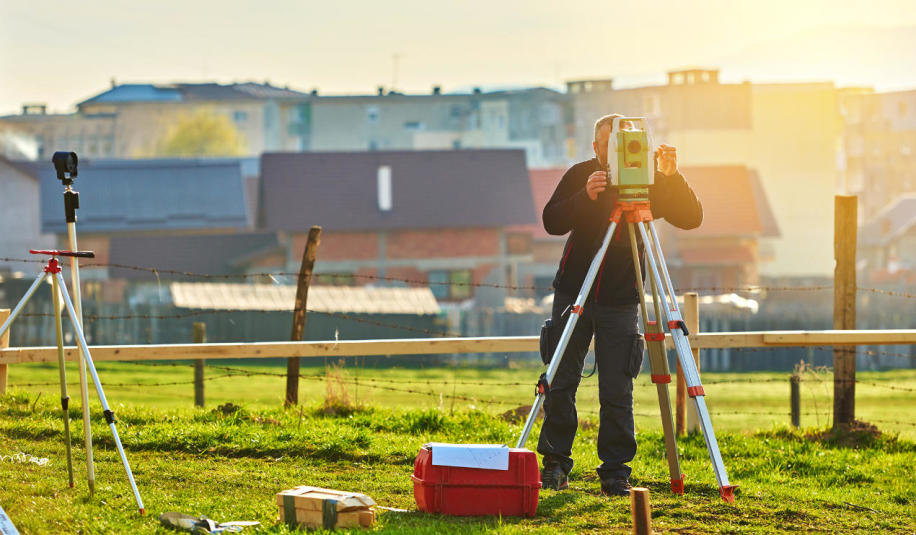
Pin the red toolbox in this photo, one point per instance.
(452, 490)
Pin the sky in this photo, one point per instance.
(60, 53)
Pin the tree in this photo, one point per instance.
(203, 133)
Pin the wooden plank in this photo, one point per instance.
(435, 346)
(299, 310)
(844, 306)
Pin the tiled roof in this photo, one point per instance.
(716, 256)
(340, 299)
(142, 195)
(183, 92)
(429, 189)
(730, 207)
(893, 220)
(543, 183)
(211, 254)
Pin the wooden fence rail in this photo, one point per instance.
(438, 346)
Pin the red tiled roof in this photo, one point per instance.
(543, 182)
(716, 256)
(730, 207)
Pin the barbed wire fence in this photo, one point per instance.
(440, 389)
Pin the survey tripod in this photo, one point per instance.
(52, 271)
(633, 208)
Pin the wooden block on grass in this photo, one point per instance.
(316, 507)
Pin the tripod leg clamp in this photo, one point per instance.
(679, 324)
(543, 387)
(65, 403)
(109, 417)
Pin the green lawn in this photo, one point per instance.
(739, 402)
(229, 467)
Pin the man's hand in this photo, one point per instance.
(597, 182)
(666, 159)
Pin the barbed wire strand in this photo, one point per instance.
(421, 282)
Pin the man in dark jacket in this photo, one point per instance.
(581, 206)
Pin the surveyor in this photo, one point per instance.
(581, 205)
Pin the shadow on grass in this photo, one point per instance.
(859, 435)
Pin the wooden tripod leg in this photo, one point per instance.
(658, 364)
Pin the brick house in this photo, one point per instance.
(442, 218)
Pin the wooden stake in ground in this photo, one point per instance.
(302, 293)
(199, 335)
(686, 419)
(641, 511)
(844, 307)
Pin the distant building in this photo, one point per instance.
(887, 243)
(140, 198)
(19, 216)
(441, 218)
(533, 119)
(880, 147)
(128, 120)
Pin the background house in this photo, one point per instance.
(19, 215)
(887, 243)
(441, 218)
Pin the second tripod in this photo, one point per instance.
(52, 271)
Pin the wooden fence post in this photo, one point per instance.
(199, 334)
(692, 319)
(4, 342)
(302, 293)
(640, 511)
(795, 399)
(844, 307)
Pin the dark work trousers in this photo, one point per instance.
(618, 353)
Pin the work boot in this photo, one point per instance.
(617, 486)
(553, 476)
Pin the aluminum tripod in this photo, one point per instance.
(52, 271)
(638, 214)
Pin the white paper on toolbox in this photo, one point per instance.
(487, 456)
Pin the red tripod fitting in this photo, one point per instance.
(636, 211)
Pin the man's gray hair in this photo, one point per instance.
(606, 120)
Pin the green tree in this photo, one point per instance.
(203, 133)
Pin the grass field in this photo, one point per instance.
(230, 465)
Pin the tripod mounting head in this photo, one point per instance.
(66, 165)
(77, 254)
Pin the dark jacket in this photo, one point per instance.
(570, 210)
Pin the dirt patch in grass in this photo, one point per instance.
(856, 435)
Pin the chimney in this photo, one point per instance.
(381, 90)
(314, 92)
(114, 83)
(34, 109)
(437, 90)
(383, 176)
(476, 90)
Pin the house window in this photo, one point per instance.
(372, 114)
(450, 285)
(240, 116)
(413, 126)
